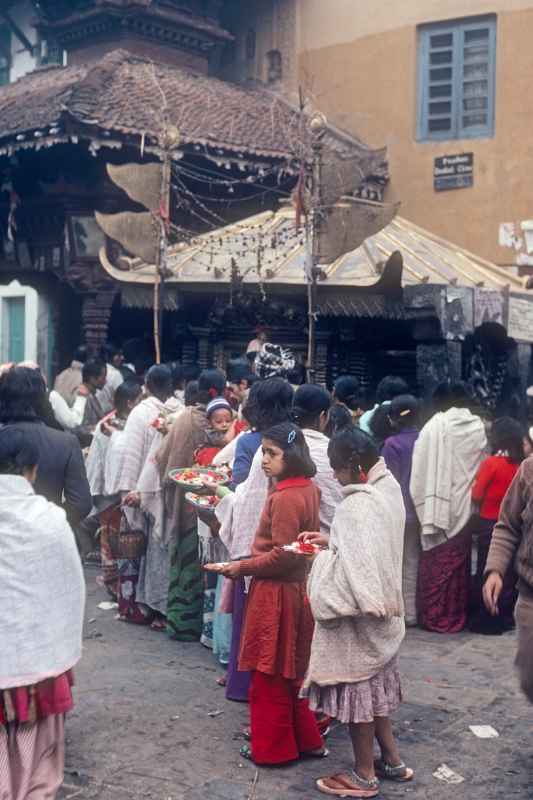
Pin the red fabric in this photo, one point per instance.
(204, 456)
(494, 477)
(277, 630)
(53, 696)
(240, 426)
(109, 522)
(292, 483)
(443, 585)
(282, 725)
(278, 624)
(287, 512)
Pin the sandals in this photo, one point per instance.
(246, 751)
(399, 773)
(323, 752)
(348, 785)
(159, 625)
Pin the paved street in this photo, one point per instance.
(142, 726)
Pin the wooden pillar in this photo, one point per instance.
(96, 313)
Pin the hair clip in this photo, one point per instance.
(405, 412)
(291, 437)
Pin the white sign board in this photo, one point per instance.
(520, 324)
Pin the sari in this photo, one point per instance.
(185, 589)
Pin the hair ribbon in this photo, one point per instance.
(291, 437)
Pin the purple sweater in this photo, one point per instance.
(398, 454)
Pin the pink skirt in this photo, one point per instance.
(380, 696)
(32, 758)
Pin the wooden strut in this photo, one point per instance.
(164, 213)
(316, 223)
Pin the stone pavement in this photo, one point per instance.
(147, 722)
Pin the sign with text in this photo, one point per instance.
(520, 324)
(453, 172)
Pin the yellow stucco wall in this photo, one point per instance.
(364, 76)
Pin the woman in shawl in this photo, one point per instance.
(187, 434)
(139, 434)
(446, 459)
(269, 404)
(41, 577)
(355, 592)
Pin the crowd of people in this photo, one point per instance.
(407, 513)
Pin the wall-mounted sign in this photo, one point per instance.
(520, 324)
(453, 172)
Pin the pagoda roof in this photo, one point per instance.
(123, 98)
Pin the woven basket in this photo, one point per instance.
(127, 543)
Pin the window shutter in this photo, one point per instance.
(476, 116)
(457, 79)
(441, 72)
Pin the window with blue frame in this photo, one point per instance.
(456, 79)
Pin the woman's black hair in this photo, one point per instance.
(352, 448)
(177, 374)
(190, 397)
(127, 392)
(269, 403)
(211, 384)
(310, 401)
(347, 390)
(296, 455)
(452, 394)
(22, 395)
(389, 387)
(158, 381)
(108, 352)
(506, 435)
(339, 419)
(18, 452)
(404, 411)
(92, 368)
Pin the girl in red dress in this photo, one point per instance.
(278, 625)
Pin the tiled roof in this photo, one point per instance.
(123, 95)
(428, 260)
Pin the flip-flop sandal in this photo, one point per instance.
(344, 785)
(322, 753)
(222, 681)
(400, 773)
(159, 626)
(247, 734)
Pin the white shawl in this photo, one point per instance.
(330, 489)
(42, 589)
(355, 587)
(361, 572)
(239, 512)
(446, 458)
(139, 435)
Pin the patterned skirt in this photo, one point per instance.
(380, 696)
(185, 594)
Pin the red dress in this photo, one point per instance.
(32, 703)
(278, 626)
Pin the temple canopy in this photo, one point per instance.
(267, 249)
